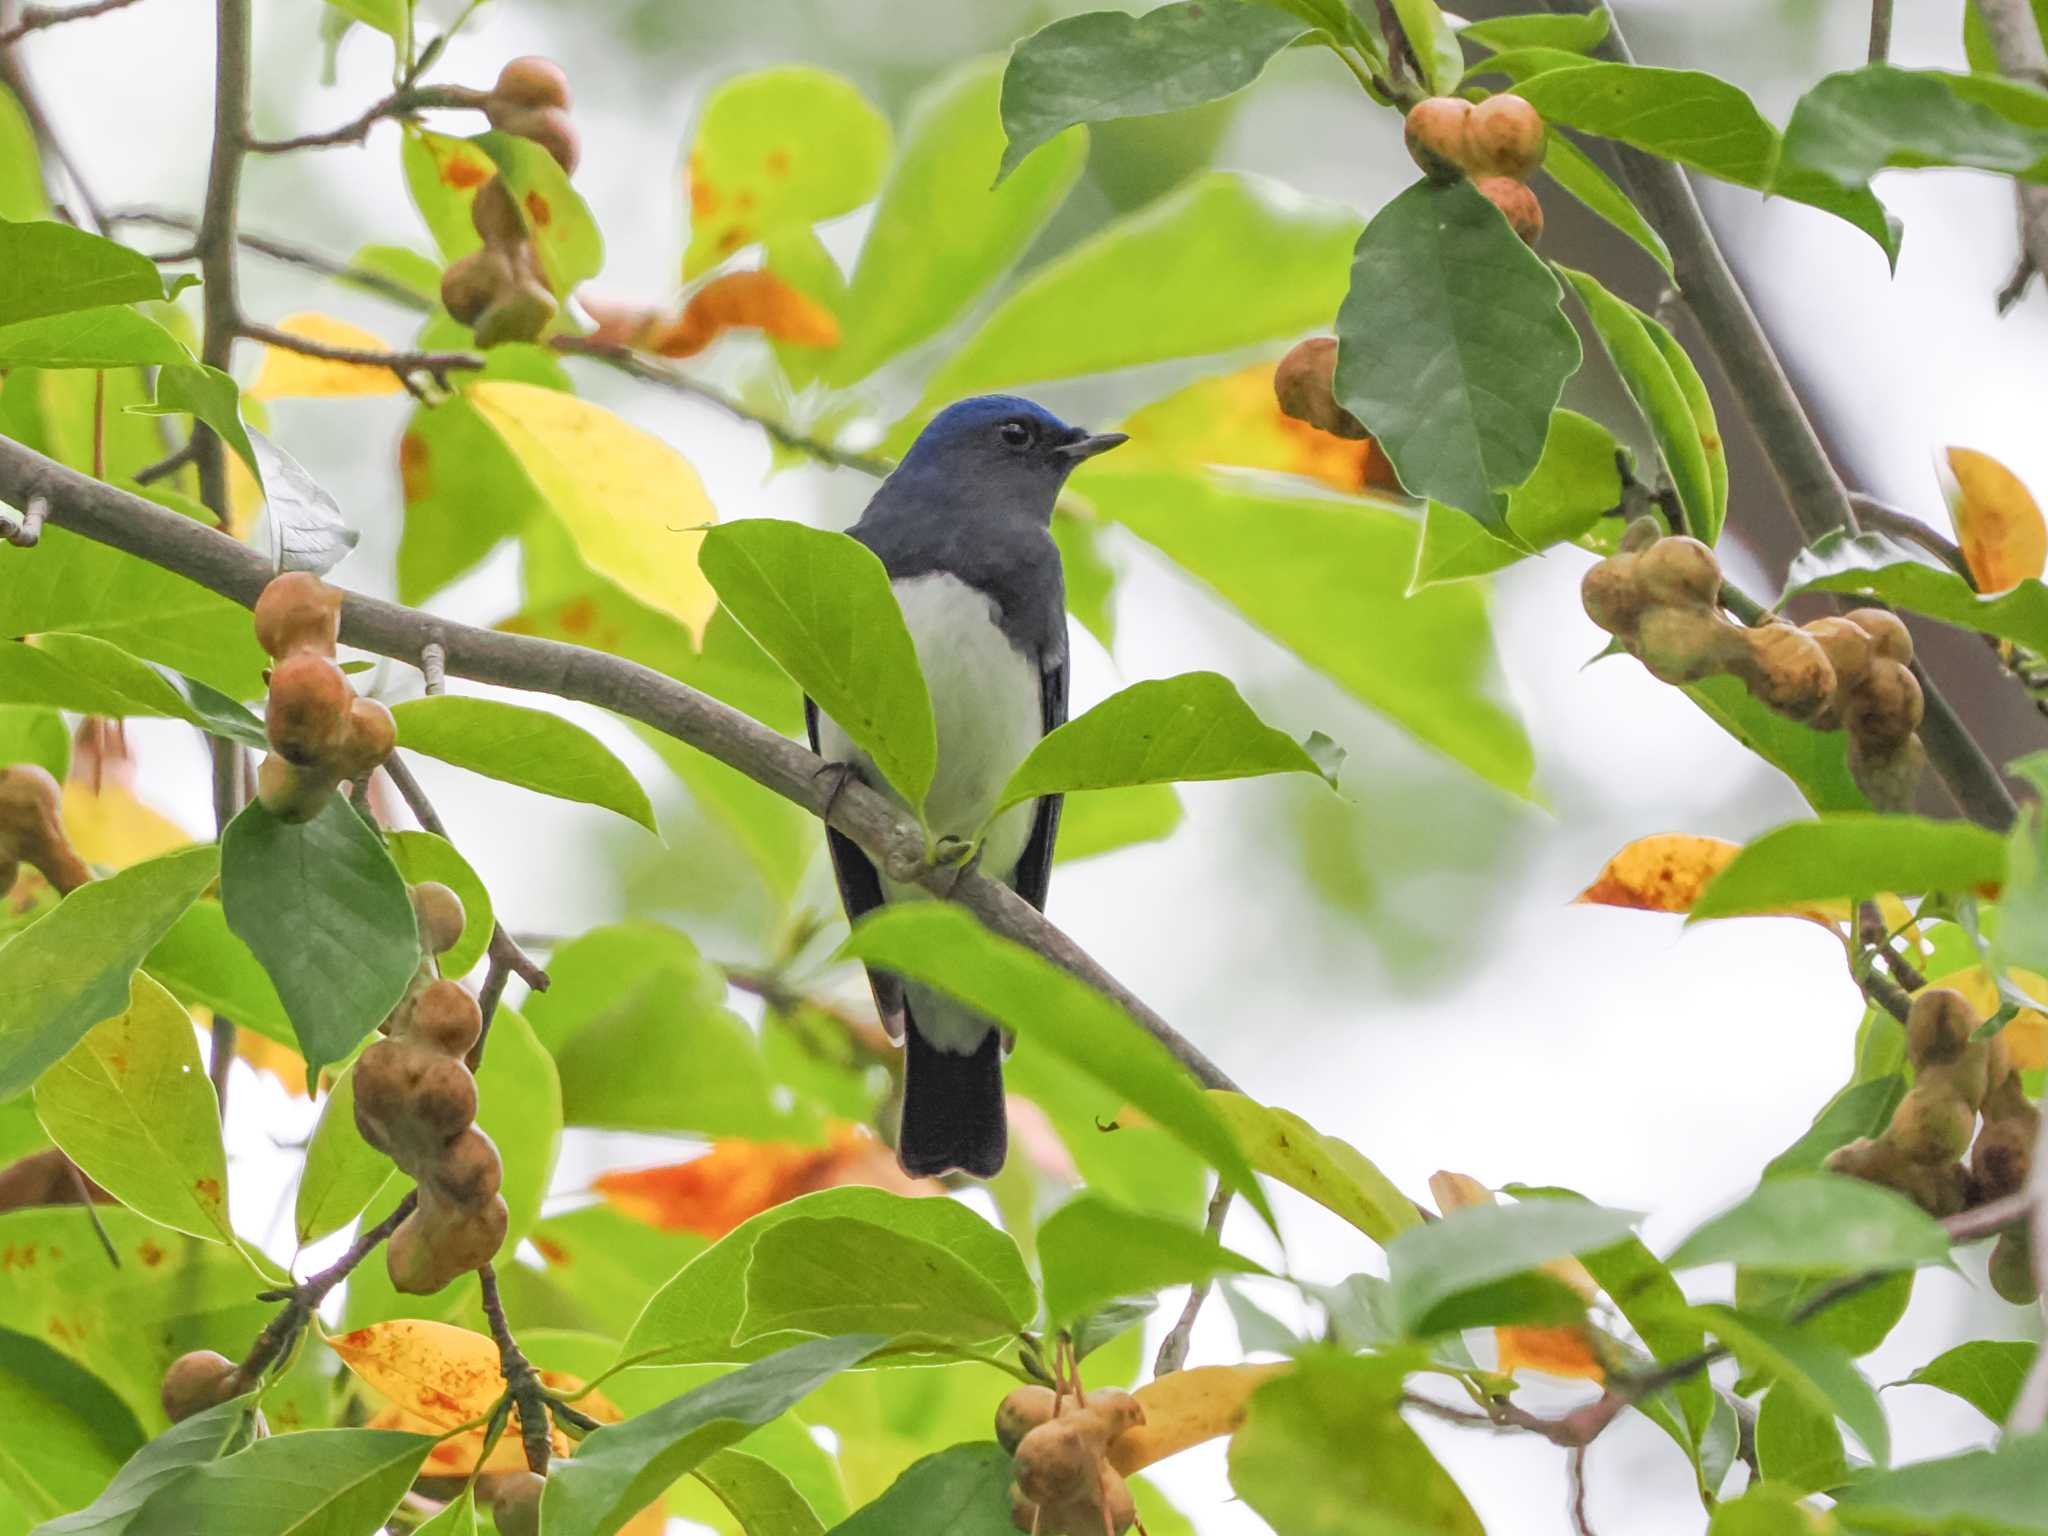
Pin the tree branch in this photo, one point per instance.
(111, 516)
(403, 102)
(405, 364)
(1173, 1349)
(523, 1385)
(303, 1300)
(1815, 492)
(215, 244)
(2022, 55)
(1880, 30)
(36, 17)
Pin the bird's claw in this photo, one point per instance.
(841, 775)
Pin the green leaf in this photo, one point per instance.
(1700, 121)
(1797, 1444)
(1985, 1373)
(619, 1469)
(1856, 1324)
(213, 397)
(35, 734)
(1861, 1109)
(1979, 1493)
(699, 1314)
(192, 1442)
(960, 1491)
(1872, 565)
(342, 1172)
(558, 222)
(519, 1098)
(1094, 1252)
(1574, 485)
(828, 1275)
(942, 235)
(1330, 1172)
(131, 1105)
(1170, 730)
(70, 969)
(1765, 1509)
(1815, 761)
(464, 494)
(758, 1495)
(1853, 855)
(457, 1518)
(637, 1024)
(609, 1264)
(320, 1482)
(1813, 1369)
(1649, 360)
(48, 268)
(1574, 33)
(69, 585)
(1104, 65)
(91, 676)
(1324, 1452)
(1575, 171)
(420, 857)
(1452, 349)
(1818, 1224)
(1858, 122)
(391, 17)
(1102, 821)
(205, 965)
(110, 336)
(442, 173)
(532, 748)
(323, 909)
(22, 195)
(821, 605)
(943, 947)
(1327, 579)
(67, 1432)
(1431, 1265)
(778, 149)
(1144, 290)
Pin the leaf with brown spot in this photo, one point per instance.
(1666, 872)
(1997, 521)
(758, 301)
(288, 373)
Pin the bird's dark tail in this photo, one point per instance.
(952, 1108)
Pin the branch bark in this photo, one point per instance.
(2022, 55)
(36, 17)
(221, 564)
(215, 246)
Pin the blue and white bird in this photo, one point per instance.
(964, 528)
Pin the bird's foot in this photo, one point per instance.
(840, 774)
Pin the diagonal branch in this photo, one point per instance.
(893, 840)
(400, 103)
(36, 17)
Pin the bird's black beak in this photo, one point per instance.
(1090, 444)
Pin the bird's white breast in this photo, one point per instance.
(986, 704)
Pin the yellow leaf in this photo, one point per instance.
(1998, 523)
(434, 1376)
(282, 1062)
(1187, 1408)
(634, 506)
(285, 372)
(1666, 872)
(114, 828)
(1233, 419)
(2026, 1032)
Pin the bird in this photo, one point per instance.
(963, 526)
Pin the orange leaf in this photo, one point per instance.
(1232, 419)
(280, 1061)
(1666, 872)
(1553, 1351)
(434, 1376)
(285, 372)
(758, 301)
(736, 1180)
(1998, 523)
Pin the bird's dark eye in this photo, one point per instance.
(1016, 433)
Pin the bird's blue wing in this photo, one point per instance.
(860, 892)
(1034, 867)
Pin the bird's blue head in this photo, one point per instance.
(1003, 449)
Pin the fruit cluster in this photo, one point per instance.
(1660, 597)
(321, 734)
(1304, 387)
(32, 830)
(501, 290)
(415, 1101)
(1065, 1485)
(1497, 142)
(1921, 1152)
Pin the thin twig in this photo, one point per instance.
(285, 251)
(1575, 1475)
(303, 1299)
(401, 103)
(168, 465)
(1890, 520)
(25, 531)
(522, 1382)
(436, 364)
(1173, 1349)
(83, 1191)
(1880, 30)
(36, 17)
(894, 841)
(2022, 55)
(215, 243)
(54, 154)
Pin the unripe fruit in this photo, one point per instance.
(293, 794)
(439, 1241)
(1939, 1189)
(198, 1381)
(2012, 1268)
(1683, 645)
(1115, 1410)
(469, 285)
(308, 713)
(1788, 671)
(371, 735)
(1894, 641)
(1304, 387)
(1504, 137)
(298, 612)
(32, 827)
(1680, 570)
(549, 127)
(1056, 1461)
(1523, 212)
(2000, 1160)
(1021, 1412)
(470, 1170)
(518, 313)
(1613, 595)
(1885, 708)
(445, 1017)
(495, 215)
(1939, 1026)
(441, 918)
(1932, 1124)
(532, 81)
(515, 1503)
(1435, 135)
(1848, 646)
